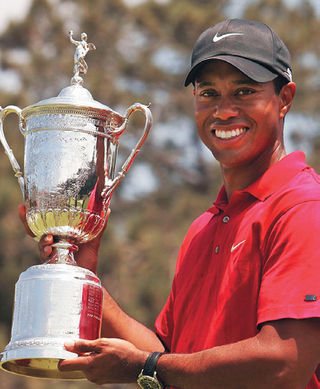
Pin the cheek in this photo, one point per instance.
(271, 110)
(266, 115)
(201, 115)
(202, 126)
(269, 126)
(273, 120)
(199, 119)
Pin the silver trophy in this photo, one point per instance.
(71, 144)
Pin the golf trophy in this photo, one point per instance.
(71, 144)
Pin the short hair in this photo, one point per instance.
(278, 83)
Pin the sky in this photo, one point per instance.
(19, 8)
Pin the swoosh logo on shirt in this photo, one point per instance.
(235, 246)
(218, 38)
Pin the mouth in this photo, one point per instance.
(230, 134)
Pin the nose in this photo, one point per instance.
(225, 109)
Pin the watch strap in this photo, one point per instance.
(151, 363)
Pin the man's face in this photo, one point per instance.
(238, 119)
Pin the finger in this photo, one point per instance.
(22, 216)
(46, 240)
(45, 247)
(79, 363)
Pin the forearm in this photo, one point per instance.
(117, 324)
(261, 362)
(283, 355)
(225, 367)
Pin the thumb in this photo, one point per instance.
(82, 346)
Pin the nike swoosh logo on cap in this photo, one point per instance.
(217, 38)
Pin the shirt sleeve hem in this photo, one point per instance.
(289, 312)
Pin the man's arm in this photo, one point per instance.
(117, 324)
(283, 355)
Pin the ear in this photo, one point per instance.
(286, 98)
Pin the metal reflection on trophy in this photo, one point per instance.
(71, 145)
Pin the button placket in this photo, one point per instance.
(225, 220)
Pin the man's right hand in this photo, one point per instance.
(87, 254)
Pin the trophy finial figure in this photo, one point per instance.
(80, 65)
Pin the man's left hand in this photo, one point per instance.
(105, 360)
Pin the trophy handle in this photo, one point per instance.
(15, 165)
(111, 185)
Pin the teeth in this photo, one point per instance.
(229, 134)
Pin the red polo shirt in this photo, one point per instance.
(247, 261)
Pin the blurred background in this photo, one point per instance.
(143, 53)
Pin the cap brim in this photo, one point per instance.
(251, 69)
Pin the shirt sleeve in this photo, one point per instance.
(290, 280)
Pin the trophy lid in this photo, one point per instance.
(74, 96)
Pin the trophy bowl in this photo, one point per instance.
(70, 155)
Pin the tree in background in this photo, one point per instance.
(142, 55)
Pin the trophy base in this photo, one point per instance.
(38, 363)
(54, 304)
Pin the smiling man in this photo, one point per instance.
(244, 307)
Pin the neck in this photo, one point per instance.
(239, 177)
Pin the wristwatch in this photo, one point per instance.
(148, 379)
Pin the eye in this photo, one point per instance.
(245, 91)
(208, 93)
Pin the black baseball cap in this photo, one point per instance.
(252, 47)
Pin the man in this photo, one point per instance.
(244, 307)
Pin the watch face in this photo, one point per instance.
(147, 382)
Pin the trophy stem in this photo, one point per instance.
(64, 253)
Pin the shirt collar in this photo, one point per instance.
(279, 173)
(220, 203)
